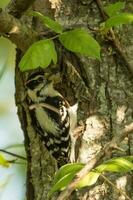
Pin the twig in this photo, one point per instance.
(112, 37)
(20, 34)
(100, 7)
(13, 154)
(114, 186)
(91, 164)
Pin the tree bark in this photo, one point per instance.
(103, 90)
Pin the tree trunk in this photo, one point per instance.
(103, 91)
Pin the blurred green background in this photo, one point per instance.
(12, 178)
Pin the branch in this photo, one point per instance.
(20, 34)
(17, 7)
(120, 191)
(13, 154)
(91, 164)
(112, 37)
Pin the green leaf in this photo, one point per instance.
(4, 3)
(40, 54)
(80, 41)
(3, 161)
(64, 176)
(48, 22)
(88, 180)
(114, 9)
(66, 169)
(66, 173)
(62, 183)
(121, 164)
(124, 18)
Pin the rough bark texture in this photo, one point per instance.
(102, 89)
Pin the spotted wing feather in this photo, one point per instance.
(56, 141)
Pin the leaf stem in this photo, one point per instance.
(13, 154)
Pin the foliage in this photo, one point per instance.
(3, 3)
(114, 9)
(123, 18)
(116, 17)
(66, 173)
(49, 23)
(3, 161)
(35, 58)
(43, 52)
(79, 41)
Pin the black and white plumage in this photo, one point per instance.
(50, 116)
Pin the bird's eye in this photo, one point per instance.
(34, 82)
(40, 79)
